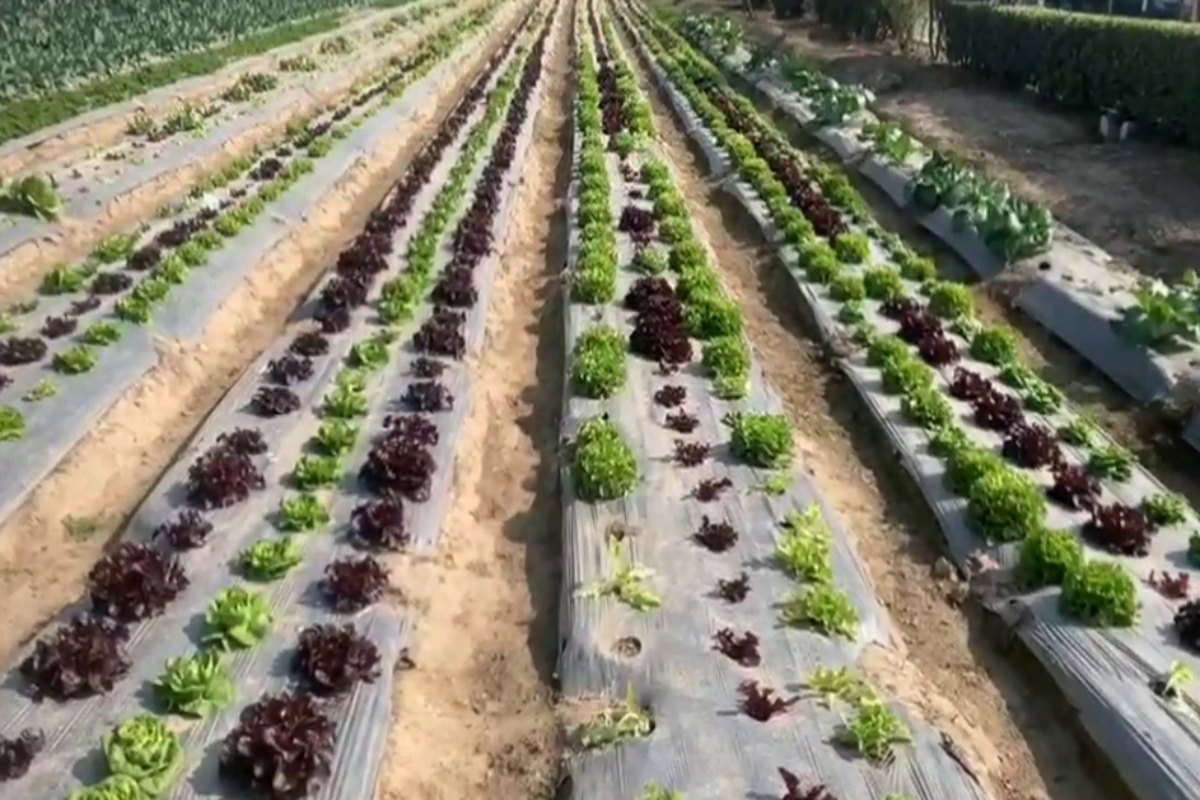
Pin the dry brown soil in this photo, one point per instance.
(475, 716)
(1003, 713)
(22, 269)
(110, 470)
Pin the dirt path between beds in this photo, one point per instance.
(1007, 718)
(475, 717)
(109, 472)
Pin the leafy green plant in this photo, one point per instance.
(775, 484)
(883, 283)
(1046, 557)
(846, 288)
(626, 582)
(655, 792)
(336, 437)
(616, 724)
(951, 300)
(966, 466)
(603, 467)
(42, 390)
(1164, 509)
(916, 268)
(926, 407)
(77, 360)
(304, 512)
(906, 375)
(12, 424)
(370, 355)
(837, 684)
(805, 546)
(1041, 397)
(63, 280)
(874, 730)
(1101, 593)
(726, 356)
(137, 310)
(650, 260)
(823, 608)
(852, 248)
(101, 334)
(114, 248)
(312, 472)
(144, 749)
(237, 619)
(1005, 505)
(852, 312)
(1111, 463)
(32, 196)
(1079, 433)
(195, 686)
(709, 315)
(760, 440)
(269, 559)
(996, 346)
(345, 401)
(598, 362)
(114, 787)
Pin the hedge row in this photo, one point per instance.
(1147, 69)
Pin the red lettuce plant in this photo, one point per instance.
(690, 454)
(187, 531)
(1074, 488)
(716, 537)
(352, 584)
(796, 790)
(670, 396)
(423, 367)
(331, 660)
(734, 590)
(16, 755)
(938, 350)
(17, 350)
(760, 703)
(282, 746)
(1187, 625)
(969, 386)
(379, 525)
(289, 370)
(83, 658)
(998, 411)
(710, 489)
(899, 307)
(222, 477)
(1118, 528)
(135, 582)
(310, 344)
(427, 396)
(742, 649)
(1031, 446)
(1172, 587)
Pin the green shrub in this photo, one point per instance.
(1083, 61)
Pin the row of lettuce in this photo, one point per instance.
(811, 208)
(677, 299)
(230, 200)
(1160, 316)
(36, 196)
(283, 745)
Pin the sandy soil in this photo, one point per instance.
(1139, 201)
(1005, 717)
(475, 717)
(22, 269)
(109, 472)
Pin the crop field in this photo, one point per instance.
(518, 399)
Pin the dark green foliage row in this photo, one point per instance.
(1144, 68)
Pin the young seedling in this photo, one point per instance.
(804, 547)
(873, 730)
(837, 684)
(823, 608)
(616, 724)
(42, 390)
(625, 583)
(775, 484)
(80, 529)
(1167, 686)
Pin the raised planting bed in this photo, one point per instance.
(708, 592)
(93, 187)
(1030, 499)
(283, 451)
(1142, 335)
(111, 346)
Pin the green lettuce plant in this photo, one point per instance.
(195, 686)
